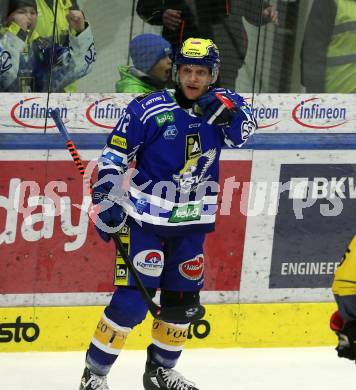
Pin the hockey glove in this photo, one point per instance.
(215, 108)
(110, 215)
(346, 332)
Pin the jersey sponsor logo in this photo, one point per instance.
(193, 125)
(18, 331)
(194, 171)
(190, 212)
(153, 100)
(121, 275)
(119, 141)
(170, 133)
(121, 270)
(117, 160)
(149, 262)
(143, 96)
(166, 117)
(124, 231)
(192, 269)
(141, 205)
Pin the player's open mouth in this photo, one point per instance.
(192, 87)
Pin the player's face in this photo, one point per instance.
(162, 70)
(194, 80)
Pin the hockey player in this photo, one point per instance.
(171, 204)
(343, 321)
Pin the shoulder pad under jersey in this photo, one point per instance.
(151, 102)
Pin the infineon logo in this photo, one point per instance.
(266, 116)
(314, 115)
(103, 113)
(27, 113)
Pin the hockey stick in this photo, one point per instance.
(173, 314)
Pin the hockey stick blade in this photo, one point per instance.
(167, 314)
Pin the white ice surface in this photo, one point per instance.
(211, 369)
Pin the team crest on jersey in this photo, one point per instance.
(192, 146)
(194, 171)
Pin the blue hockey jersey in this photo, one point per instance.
(173, 188)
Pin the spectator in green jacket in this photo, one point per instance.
(152, 65)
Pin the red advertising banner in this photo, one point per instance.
(49, 245)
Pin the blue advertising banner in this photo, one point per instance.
(314, 223)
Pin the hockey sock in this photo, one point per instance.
(125, 311)
(168, 341)
(106, 345)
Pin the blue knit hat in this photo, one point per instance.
(147, 49)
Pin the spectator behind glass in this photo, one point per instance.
(16, 38)
(150, 54)
(72, 30)
(328, 56)
(25, 58)
(219, 20)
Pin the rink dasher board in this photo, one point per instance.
(24, 329)
(86, 113)
(280, 248)
(258, 284)
(54, 265)
(96, 299)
